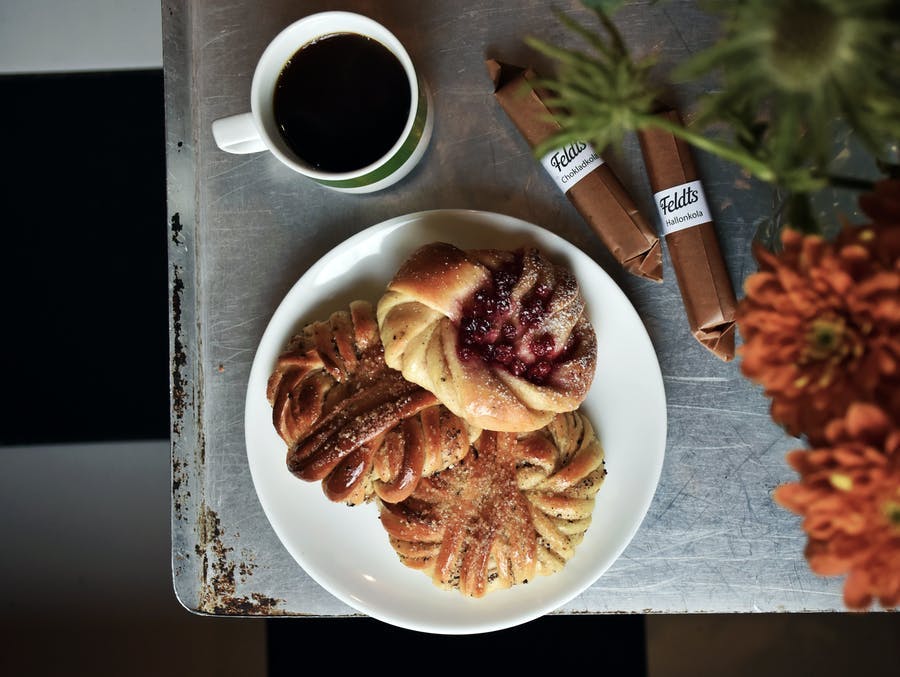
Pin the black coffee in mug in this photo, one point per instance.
(341, 102)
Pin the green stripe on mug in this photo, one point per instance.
(395, 161)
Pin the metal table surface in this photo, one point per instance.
(243, 229)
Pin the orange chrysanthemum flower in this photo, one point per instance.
(821, 325)
(849, 496)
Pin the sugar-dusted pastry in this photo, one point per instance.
(501, 337)
(516, 509)
(353, 423)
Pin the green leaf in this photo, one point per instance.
(605, 6)
(589, 36)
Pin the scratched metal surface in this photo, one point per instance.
(244, 228)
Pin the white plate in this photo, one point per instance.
(345, 549)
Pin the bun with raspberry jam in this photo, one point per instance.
(501, 337)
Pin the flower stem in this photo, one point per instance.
(799, 214)
(757, 168)
(850, 182)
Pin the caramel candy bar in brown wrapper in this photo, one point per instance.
(691, 238)
(597, 194)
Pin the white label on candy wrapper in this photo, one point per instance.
(570, 164)
(682, 206)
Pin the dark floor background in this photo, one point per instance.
(85, 353)
(611, 645)
(86, 339)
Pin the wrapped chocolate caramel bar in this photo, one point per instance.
(581, 174)
(691, 238)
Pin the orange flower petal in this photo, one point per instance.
(867, 422)
(856, 590)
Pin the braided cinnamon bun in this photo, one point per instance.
(353, 423)
(501, 337)
(516, 509)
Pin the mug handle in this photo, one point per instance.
(237, 134)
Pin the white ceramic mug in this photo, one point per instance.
(257, 130)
